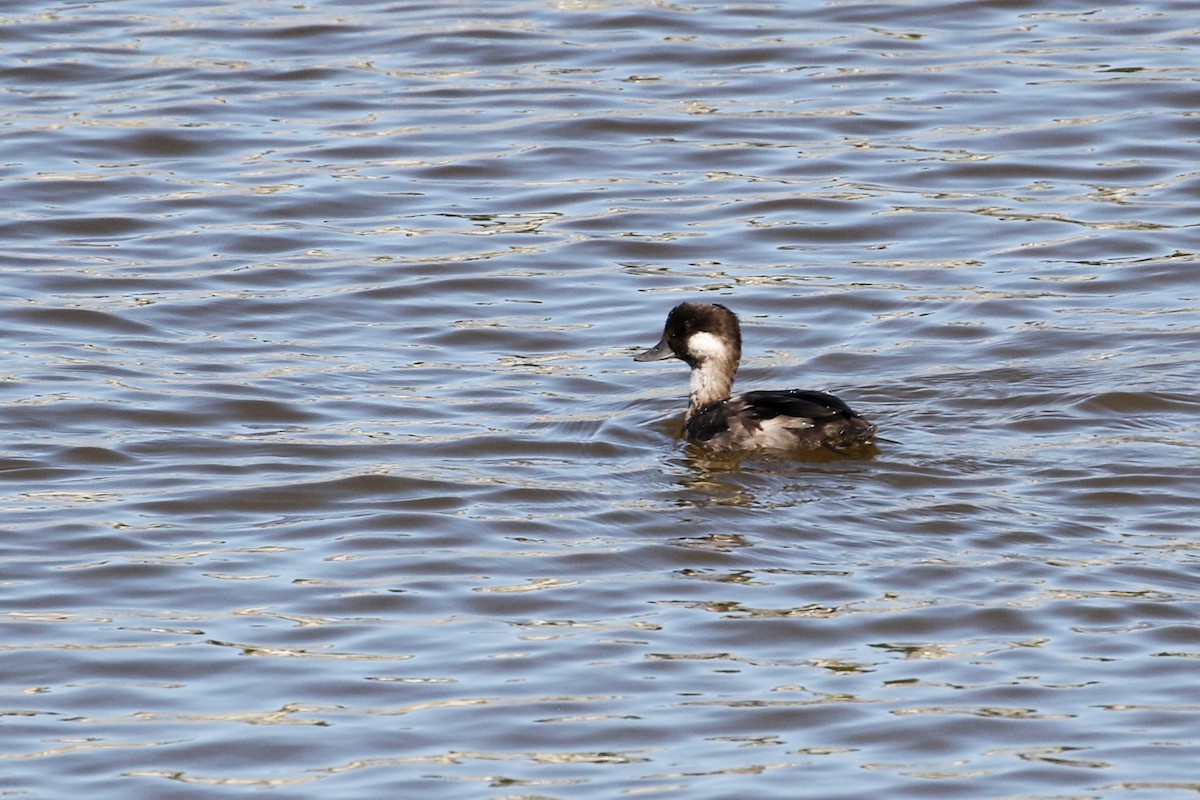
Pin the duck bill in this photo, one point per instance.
(660, 351)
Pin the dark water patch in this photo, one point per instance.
(46, 73)
(17, 465)
(1120, 403)
(39, 474)
(87, 319)
(94, 456)
(86, 417)
(298, 497)
(162, 144)
(259, 411)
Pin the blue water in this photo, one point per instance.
(328, 470)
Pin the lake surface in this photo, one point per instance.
(327, 469)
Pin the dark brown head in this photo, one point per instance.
(698, 333)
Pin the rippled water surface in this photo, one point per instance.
(327, 470)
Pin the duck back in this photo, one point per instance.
(786, 419)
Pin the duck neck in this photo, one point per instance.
(712, 381)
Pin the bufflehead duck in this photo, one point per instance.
(707, 337)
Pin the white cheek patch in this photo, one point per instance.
(704, 345)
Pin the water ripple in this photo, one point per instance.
(328, 466)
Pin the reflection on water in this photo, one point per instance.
(326, 467)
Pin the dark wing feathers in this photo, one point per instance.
(821, 421)
(795, 403)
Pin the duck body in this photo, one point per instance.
(707, 337)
